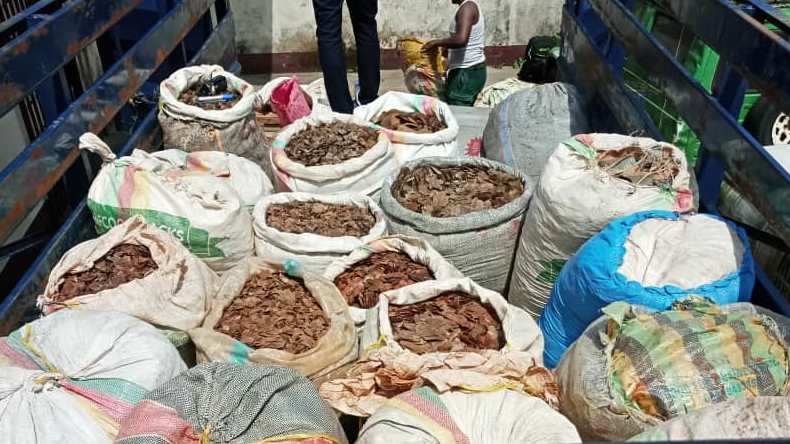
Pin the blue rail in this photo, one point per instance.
(600, 33)
(174, 33)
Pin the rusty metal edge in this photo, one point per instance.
(758, 174)
(37, 53)
(760, 55)
(20, 304)
(34, 172)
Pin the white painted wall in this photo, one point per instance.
(267, 26)
(12, 127)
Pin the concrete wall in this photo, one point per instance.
(284, 26)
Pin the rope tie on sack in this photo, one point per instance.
(52, 376)
(204, 437)
(46, 381)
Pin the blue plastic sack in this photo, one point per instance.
(591, 280)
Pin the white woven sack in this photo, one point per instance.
(480, 244)
(407, 145)
(497, 417)
(175, 295)
(521, 332)
(361, 175)
(417, 249)
(191, 128)
(574, 200)
(695, 251)
(203, 212)
(757, 419)
(337, 347)
(243, 175)
(311, 251)
(317, 90)
(82, 346)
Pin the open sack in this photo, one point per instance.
(363, 174)
(416, 249)
(411, 145)
(313, 252)
(336, 347)
(176, 294)
(387, 368)
(480, 244)
(192, 128)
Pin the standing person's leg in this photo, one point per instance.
(464, 84)
(366, 33)
(329, 22)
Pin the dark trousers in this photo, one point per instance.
(328, 17)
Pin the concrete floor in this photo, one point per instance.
(391, 80)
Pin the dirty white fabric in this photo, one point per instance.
(109, 354)
(498, 417)
(243, 175)
(202, 211)
(311, 251)
(362, 175)
(574, 200)
(408, 145)
(417, 249)
(686, 253)
(761, 418)
(175, 295)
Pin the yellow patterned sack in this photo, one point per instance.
(635, 368)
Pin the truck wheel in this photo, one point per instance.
(768, 124)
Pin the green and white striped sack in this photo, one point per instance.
(634, 368)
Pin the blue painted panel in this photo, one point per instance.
(35, 171)
(758, 54)
(727, 144)
(597, 81)
(757, 174)
(46, 46)
(19, 305)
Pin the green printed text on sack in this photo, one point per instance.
(197, 240)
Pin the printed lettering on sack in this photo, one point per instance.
(197, 240)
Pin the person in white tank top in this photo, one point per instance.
(466, 61)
